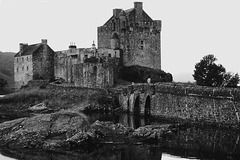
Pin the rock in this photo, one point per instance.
(151, 132)
(38, 107)
(42, 131)
(68, 129)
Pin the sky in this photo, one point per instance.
(191, 29)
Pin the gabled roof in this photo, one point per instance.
(30, 49)
(129, 10)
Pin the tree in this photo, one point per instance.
(3, 83)
(208, 73)
(230, 80)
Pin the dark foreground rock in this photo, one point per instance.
(68, 129)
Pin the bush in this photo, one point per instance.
(139, 74)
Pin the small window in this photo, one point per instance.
(17, 69)
(141, 47)
(141, 42)
(109, 55)
(22, 59)
(27, 58)
(22, 68)
(27, 68)
(17, 60)
(128, 48)
(95, 70)
(86, 56)
(113, 26)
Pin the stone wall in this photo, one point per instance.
(38, 83)
(43, 63)
(99, 75)
(23, 70)
(138, 34)
(220, 106)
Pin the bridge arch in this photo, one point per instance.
(136, 108)
(147, 107)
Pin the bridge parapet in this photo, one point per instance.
(143, 87)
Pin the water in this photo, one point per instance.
(190, 143)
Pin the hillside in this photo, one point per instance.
(7, 66)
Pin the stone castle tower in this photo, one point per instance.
(136, 34)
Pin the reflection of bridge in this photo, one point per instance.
(214, 105)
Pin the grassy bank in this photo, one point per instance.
(55, 99)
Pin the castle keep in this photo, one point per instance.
(136, 34)
(130, 37)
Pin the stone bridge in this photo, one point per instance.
(137, 98)
(218, 106)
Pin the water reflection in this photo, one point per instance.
(129, 120)
(202, 143)
(107, 152)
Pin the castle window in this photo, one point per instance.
(123, 24)
(128, 48)
(113, 26)
(95, 70)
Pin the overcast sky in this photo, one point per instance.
(190, 28)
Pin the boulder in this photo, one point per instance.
(42, 131)
(38, 107)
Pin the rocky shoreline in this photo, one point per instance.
(69, 130)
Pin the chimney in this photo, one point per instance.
(138, 5)
(22, 46)
(45, 46)
(116, 11)
(44, 41)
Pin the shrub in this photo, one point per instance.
(139, 74)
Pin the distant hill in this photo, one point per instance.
(7, 66)
(183, 77)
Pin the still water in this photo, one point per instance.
(189, 143)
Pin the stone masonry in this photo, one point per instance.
(129, 37)
(33, 62)
(138, 36)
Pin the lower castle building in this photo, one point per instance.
(87, 67)
(33, 62)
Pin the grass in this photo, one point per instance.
(55, 99)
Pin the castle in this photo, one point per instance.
(129, 37)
